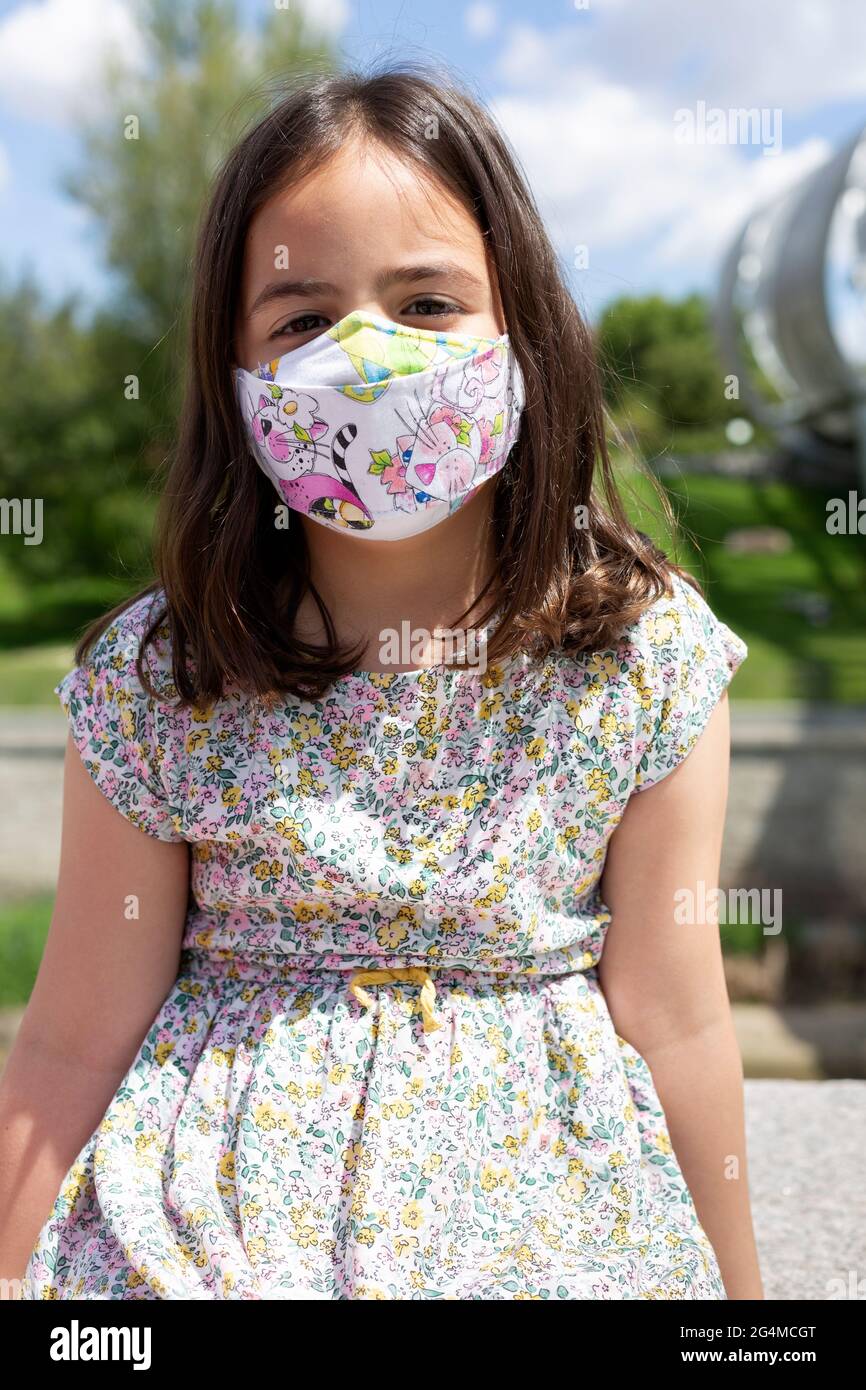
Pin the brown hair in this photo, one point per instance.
(232, 581)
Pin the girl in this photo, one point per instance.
(376, 986)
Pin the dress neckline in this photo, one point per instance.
(386, 680)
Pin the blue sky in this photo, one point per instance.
(587, 95)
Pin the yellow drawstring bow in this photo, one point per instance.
(416, 973)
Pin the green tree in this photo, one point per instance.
(165, 128)
(661, 366)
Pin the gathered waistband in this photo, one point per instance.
(310, 968)
(268, 969)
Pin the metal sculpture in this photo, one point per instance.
(791, 312)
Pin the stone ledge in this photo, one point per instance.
(776, 726)
(806, 1141)
(802, 1042)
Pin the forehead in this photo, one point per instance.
(364, 200)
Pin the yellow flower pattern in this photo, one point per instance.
(276, 1138)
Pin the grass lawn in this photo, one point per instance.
(789, 658)
(38, 627)
(28, 675)
(23, 928)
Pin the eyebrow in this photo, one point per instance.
(308, 288)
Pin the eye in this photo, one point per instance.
(431, 308)
(303, 323)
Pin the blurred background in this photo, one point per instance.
(702, 173)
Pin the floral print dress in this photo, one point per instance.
(386, 1069)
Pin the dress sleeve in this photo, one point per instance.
(115, 725)
(689, 658)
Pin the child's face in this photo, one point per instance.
(365, 231)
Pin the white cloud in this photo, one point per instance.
(790, 53)
(590, 109)
(481, 20)
(608, 172)
(51, 53)
(328, 16)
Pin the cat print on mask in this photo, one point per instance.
(333, 500)
(285, 423)
(448, 452)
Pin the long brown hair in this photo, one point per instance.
(233, 582)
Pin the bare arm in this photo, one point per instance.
(103, 977)
(665, 988)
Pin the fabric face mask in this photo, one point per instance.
(380, 429)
